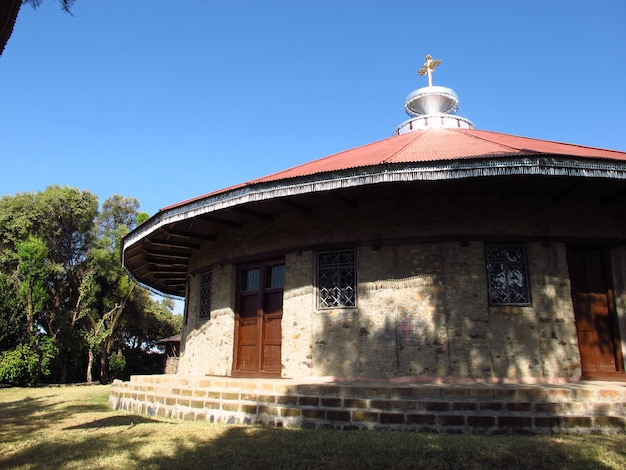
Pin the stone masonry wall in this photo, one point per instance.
(422, 305)
(423, 311)
(553, 312)
(207, 347)
(297, 324)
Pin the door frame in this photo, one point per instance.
(263, 265)
(587, 373)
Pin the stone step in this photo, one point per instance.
(491, 408)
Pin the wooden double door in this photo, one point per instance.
(595, 313)
(259, 313)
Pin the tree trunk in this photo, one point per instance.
(89, 365)
(104, 368)
(29, 312)
(63, 378)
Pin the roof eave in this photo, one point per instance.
(545, 165)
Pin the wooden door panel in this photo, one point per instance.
(595, 271)
(248, 334)
(273, 303)
(247, 358)
(599, 311)
(272, 331)
(596, 318)
(248, 330)
(582, 311)
(271, 359)
(258, 321)
(586, 340)
(248, 306)
(272, 342)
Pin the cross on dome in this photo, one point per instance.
(432, 107)
(429, 67)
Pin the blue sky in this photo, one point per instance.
(165, 100)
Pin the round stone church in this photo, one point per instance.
(440, 253)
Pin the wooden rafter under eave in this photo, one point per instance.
(189, 234)
(171, 244)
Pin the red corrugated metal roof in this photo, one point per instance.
(433, 145)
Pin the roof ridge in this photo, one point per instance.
(417, 136)
(492, 142)
(534, 139)
(316, 160)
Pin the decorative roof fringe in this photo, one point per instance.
(546, 166)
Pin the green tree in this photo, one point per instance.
(34, 272)
(19, 220)
(118, 215)
(111, 289)
(69, 233)
(62, 281)
(148, 322)
(60, 222)
(28, 362)
(20, 215)
(13, 330)
(100, 337)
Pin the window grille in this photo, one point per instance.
(336, 279)
(507, 275)
(206, 281)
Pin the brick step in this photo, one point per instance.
(537, 408)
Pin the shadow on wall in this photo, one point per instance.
(436, 321)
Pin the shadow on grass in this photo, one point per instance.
(145, 443)
(286, 449)
(48, 432)
(21, 408)
(30, 414)
(114, 421)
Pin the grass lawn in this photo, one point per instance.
(73, 427)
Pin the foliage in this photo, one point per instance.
(66, 5)
(19, 366)
(12, 319)
(150, 322)
(33, 256)
(27, 363)
(18, 219)
(117, 211)
(34, 271)
(110, 289)
(61, 277)
(117, 362)
(142, 217)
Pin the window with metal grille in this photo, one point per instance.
(507, 275)
(336, 279)
(204, 310)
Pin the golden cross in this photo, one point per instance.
(428, 68)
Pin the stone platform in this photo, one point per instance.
(328, 403)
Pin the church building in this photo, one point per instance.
(441, 253)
